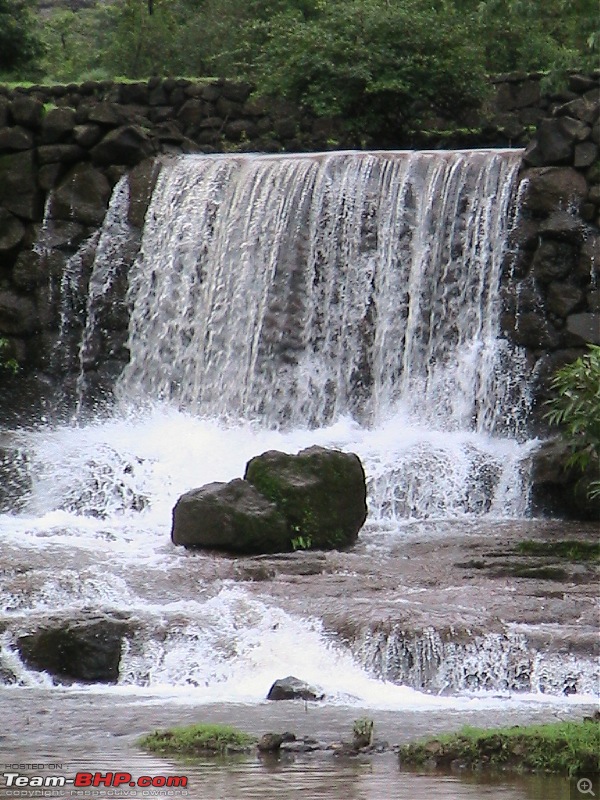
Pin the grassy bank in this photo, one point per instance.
(568, 748)
(198, 740)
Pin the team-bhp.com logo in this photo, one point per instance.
(89, 780)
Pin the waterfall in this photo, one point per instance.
(298, 289)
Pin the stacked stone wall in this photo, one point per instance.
(63, 149)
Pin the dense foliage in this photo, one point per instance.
(20, 45)
(576, 409)
(375, 62)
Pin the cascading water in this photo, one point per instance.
(357, 283)
(344, 299)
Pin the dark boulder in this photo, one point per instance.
(18, 315)
(88, 650)
(11, 231)
(552, 188)
(127, 145)
(57, 125)
(82, 195)
(230, 516)
(321, 492)
(291, 688)
(583, 328)
(19, 192)
(27, 111)
(271, 742)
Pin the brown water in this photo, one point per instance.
(81, 731)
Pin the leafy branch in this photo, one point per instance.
(576, 409)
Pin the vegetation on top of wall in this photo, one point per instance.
(575, 408)
(355, 58)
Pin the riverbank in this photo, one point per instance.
(567, 748)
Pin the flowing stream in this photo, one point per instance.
(348, 300)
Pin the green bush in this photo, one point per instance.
(376, 63)
(576, 409)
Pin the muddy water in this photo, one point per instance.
(83, 731)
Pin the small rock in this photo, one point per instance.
(291, 688)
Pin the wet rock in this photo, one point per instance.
(19, 191)
(60, 154)
(57, 125)
(232, 516)
(292, 688)
(27, 111)
(82, 195)
(321, 493)
(15, 138)
(553, 260)
(142, 180)
(128, 145)
(18, 315)
(88, 651)
(584, 327)
(87, 135)
(271, 742)
(562, 298)
(585, 155)
(11, 231)
(562, 225)
(549, 189)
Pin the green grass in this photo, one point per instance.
(568, 748)
(570, 549)
(198, 740)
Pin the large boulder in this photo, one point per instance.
(551, 188)
(232, 516)
(85, 650)
(19, 192)
(82, 195)
(321, 492)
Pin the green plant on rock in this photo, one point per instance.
(198, 739)
(362, 732)
(576, 409)
(301, 542)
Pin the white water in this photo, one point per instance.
(348, 300)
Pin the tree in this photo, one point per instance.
(374, 61)
(20, 47)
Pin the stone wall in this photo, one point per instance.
(63, 149)
(551, 291)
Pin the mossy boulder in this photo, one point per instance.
(320, 492)
(233, 516)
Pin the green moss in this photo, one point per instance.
(568, 748)
(200, 739)
(542, 573)
(570, 549)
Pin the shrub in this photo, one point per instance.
(576, 409)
